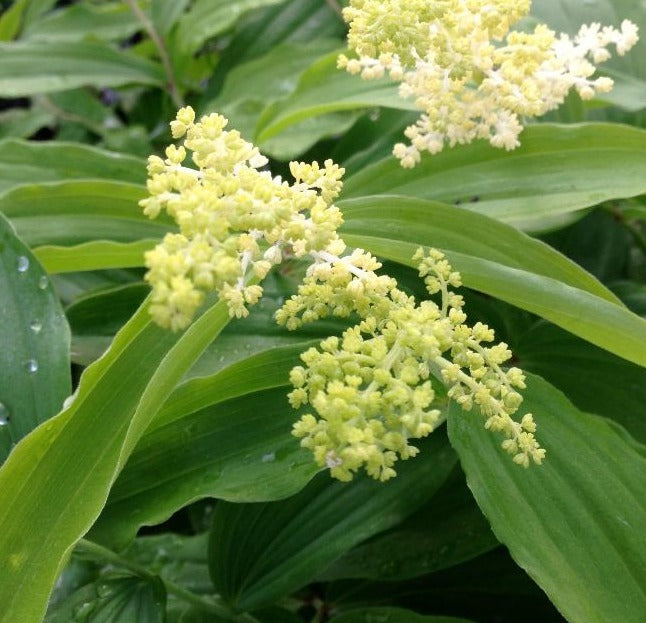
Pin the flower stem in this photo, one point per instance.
(155, 37)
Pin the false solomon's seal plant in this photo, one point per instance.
(369, 390)
(468, 73)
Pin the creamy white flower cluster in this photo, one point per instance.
(468, 74)
(370, 389)
(234, 220)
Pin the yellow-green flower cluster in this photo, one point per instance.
(234, 219)
(468, 74)
(371, 390)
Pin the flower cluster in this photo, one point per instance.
(234, 219)
(371, 388)
(471, 77)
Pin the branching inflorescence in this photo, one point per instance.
(468, 73)
(370, 389)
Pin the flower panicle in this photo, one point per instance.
(469, 74)
(370, 390)
(234, 219)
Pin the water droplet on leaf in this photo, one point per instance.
(104, 590)
(43, 282)
(83, 611)
(270, 457)
(23, 264)
(4, 415)
(31, 365)
(36, 326)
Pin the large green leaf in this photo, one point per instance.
(492, 583)
(23, 162)
(324, 89)
(574, 366)
(69, 463)
(35, 338)
(208, 18)
(575, 524)
(275, 75)
(95, 255)
(557, 170)
(446, 531)
(107, 21)
(500, 261)
(294, 21)
(71, 213)
(261, 552)
(227, 435)
(27, 68)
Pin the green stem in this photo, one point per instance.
(103, 554)
(336, 7)
(149, 27)
(634, 228)
(638, 235)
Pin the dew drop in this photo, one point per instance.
(23, 264)
(270, 457)
(69, 400)
(105, 589)
(31, 365)
(36, 326)
(4, 415)
(83, 611)
(43, 282)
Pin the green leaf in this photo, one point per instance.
(500, 261)
(165, 13)
(25, 162)
(180, 559)
(70, 213)
(27, 68)
(107, 21)
(556, 171)
(82, 450)
(121, 598)
(96, 317)
(575, 366)
(11, 20)
(260, 552)
(209, 18)
(23, 122)
(95, 255)
(227, 436)
(324, 89)
(446, 531)
(35, 357)
(491, 583)
(275, 75)
(574, 523)
(391, 615)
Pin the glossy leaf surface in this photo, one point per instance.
(556, 171)
(35, 338)
(575, 522)
(263, 551)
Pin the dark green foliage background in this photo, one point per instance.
(168, 486)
